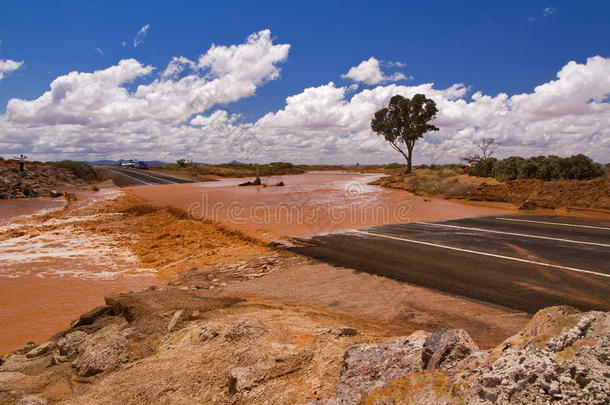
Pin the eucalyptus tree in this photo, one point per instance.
(404, 121)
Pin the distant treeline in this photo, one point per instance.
(577, 167)
(236, 169)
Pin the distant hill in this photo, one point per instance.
(154, 162)
(103, 163)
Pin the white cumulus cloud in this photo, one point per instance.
(178, 111)
(369, 72)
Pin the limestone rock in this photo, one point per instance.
(174, 320)
(250, 329)
(103, 351)
(32, 400)
(445, 348)
(58, 360)
(190, 334)
(338, 331)
(69, 344)
(369, 367)
(36, 181)
(243, 379)
(561, 356)
(22, 364)
(41, 350)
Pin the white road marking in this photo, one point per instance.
(514, 234)
(133, 178)
(554, 223)
(157, 178)
(486, 254)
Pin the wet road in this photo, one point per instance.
(130, 177)
(523, 262)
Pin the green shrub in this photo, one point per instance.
(530, 169)
(577, 167)
(507, 169)
(551, 167)
(581, 167)
(484, 168)
(79, 169)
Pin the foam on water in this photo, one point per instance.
(60, 247)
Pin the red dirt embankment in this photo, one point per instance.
(525, 193)
(590, 194)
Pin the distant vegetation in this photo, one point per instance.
(577, 167)
(237, 169)
(431, 180)
(270, 169)
(79, 169)
(388, 166)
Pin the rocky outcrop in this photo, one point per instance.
(562, 356)
(104, 350)
(36, 181)
(369, 367)
(41, 350)
(169, 345)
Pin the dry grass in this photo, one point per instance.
(445, 181)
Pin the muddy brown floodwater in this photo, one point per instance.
(53, 267)
(309, 204)
(51, 270)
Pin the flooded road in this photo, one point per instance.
(56, 263)
(308, 204)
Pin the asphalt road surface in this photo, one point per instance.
(522, 262)
(130, 177)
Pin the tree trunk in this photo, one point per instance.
(409, 158)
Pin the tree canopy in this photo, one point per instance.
(404, 121)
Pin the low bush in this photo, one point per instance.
(437, 183)
(577, 167)
(507, 169)
(79, 169)
(484, 168)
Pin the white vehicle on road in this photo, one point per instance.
(129, 163)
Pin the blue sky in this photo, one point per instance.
(489, 46)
